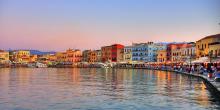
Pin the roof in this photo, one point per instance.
(212, 36)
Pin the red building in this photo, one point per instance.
(117, 52)
(113, 53)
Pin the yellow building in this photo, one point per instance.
(214, 49)
(162, 56)
(60, 56)
(202, 45)
(4, 56)
(52, 57)
(20, 56)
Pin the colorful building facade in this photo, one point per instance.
(113, 53)
(19, 56)
(162, 56)
(214, 49)
(146, 52)
(128, 54)
(85, 55)
(183, 52)
(106, 53)
(70, 56)
(4, 57)
(117, 53)
(202, 45)
(33, 58)
(98, 55)
(92, 57)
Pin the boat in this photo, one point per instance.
(41, 65)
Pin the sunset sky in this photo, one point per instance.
(55, 25)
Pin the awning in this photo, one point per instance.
(201, 60)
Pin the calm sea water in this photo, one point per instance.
(97, 89)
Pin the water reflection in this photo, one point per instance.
(73, 88)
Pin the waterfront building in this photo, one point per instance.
(52, 57)
(12, 55)
(73, 56)
(77, 56)
(85, 55)
(106, 53)
(139, 52)
(23, 56)
(19, 56)
(146, 52)
(92, 57)
(49, 58)
(70, 56)
(117, 53)
(173, 50)
(214, 49)
(162, 56)
(188, 52)
(60, 57)
(152, 50)
(33, 58)
(98, 55)
(4, 57)
(183, 52)
(128, 54)
(113, 53)
(202, 45)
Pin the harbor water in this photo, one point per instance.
(98, 89)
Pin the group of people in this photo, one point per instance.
(199, 68)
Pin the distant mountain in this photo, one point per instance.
(37, 52)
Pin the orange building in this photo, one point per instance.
(70, 55)
(73, 56)
(92, 57)
(183, 53)
(33, 58)
(173, 51)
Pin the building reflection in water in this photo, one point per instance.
(66, 84)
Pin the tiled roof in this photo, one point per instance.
(212, 36)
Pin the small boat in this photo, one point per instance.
(41, 65)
